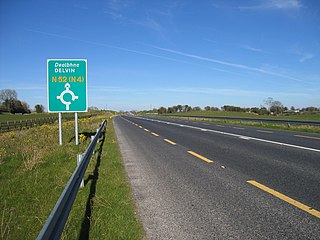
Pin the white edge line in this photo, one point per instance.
(236, 135)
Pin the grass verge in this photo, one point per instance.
(35, 170)
(105, 204)
(257, 124)
(303, 116)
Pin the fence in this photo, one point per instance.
(18, 125)
(54, 225)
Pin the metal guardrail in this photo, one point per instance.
(54, 225)
(283, 121)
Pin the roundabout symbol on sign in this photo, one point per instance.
(67, 90)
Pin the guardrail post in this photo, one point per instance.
(79, 158)
(92, 138)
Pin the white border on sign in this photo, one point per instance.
(67, 59)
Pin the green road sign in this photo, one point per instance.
(67, 85)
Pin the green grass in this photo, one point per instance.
(306, 116)
(4, 117)
(107, 197)
(280, 126)
(35, 170)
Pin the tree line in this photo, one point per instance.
(9, 102)
(272, 107)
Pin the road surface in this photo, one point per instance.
(199, 180)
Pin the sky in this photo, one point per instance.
(145, 54)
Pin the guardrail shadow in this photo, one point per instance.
(85, 226)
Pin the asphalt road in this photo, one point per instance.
(205, 181)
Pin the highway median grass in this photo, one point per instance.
(298, 116)
(35, 170)
(254, 123)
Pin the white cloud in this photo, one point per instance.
(303, 54)
(306, 56)
(284, 4)
(114, 15)
(253, 49)
(118, 5)
(274, 5)
(230, 64)
(106, 45)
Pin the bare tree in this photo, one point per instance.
(269, 101)
(274, 106)
(7, 95)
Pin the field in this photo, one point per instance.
(4, 117)
(306, 116)
(35, 169)
(255, 123)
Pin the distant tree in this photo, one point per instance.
(16, 106)
(174, 109)
(179, 107)
(7, 94)
(197, 109)
(26, 107)
(207, 108)
(292, 108)
(311, 109)
(170, 110)
(277, 107)
(3, 108)
(274, 106)
(93, 108)
(229, 108)
(6, 98)
(162, 110)
(268, 102)
(255, 110)
(263, 111)
(214, 109)
(39, 108)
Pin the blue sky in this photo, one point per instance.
(144, 54)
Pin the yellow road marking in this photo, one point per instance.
(146, 130)
(283, 197)
(302, 136)
(140, 127)
(167, 140)
(201, 157)
(154, 134)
